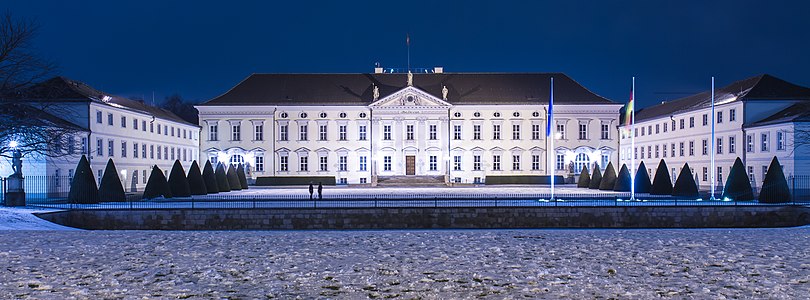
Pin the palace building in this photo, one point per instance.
(755, 119)
(358, 128)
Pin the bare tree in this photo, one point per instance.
(20, 66)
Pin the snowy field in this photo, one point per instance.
(438, 264)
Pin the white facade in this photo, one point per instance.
(408, 132)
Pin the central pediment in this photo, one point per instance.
(410, 97)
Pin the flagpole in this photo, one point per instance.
(713, 171)
(632, 140)
(408, 45)
(551, 133)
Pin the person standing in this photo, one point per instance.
(320, 191)
(311, 190)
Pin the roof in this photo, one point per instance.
(358, 89)
(65, 90)
(34, 116)
(799, 112)
(761, 87)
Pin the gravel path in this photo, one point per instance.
(578, 264)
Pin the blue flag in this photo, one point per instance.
(550, 109)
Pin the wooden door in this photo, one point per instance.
(410, 165)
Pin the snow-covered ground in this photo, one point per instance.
(22, 218)
(429, 264)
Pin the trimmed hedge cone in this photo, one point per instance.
(584, 178)
(774, 188)
(240, 171)
(685, 185)
(642, 180)
(623, 181)
(83, 187)
(110, 188)
(222, 179)
(178, 182)
(196, 184)
(210, 179)
(233, 179)
(737, 187)
(609, 179)
(662, 184)
(157, 185)
(596, 179)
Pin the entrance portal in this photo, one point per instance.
(410, 165)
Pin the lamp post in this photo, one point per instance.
(15, 193)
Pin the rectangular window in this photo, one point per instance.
(719, 178)
(606, 131)
(387, 132)
(363, 164)
(158, 129)
(433, 165)
(749, 143)
(98, 116)
(672, 148)
(386, 163)
(123, 149)
(109, 119)
(719, 117)
(456, 132)
(135, 150)
(323, 163)
(123, 122)
(151, 151)
(100, 147)
(673, 125)
(259, 132)
(560, 162)
(172, 130)
(705, 119)
(649, 151)
(302, 133)
(363, 180)
(342, 132)
(666, 126)
(635, 132)
(284, 163)
(691, 122)
(536, 131)
(683, 124)
(764, 172)
(476, 132)
(284, 133)
(780, 140)
(432, 130)
(515, 131)
(664, 150)
(705, 147)
(236, 132)
(605, 159)
(496, 132)
(476, 162)
(732, 115)
(165, 132)
(151, 127)
(135, 124)
(143, 177)
(343, 163)
(322, 130)
(259, 163)
(159, 156)
(343, 180)
(173, 156)
(515, 162)
(100, 173)
(165, 153)
(496, 162)
(561, 131)
(110, 148)
(642, 152)
(143, 126)
(303, 163)
(642, 131)
(657, 126)
(764, 142)
(691, 148)
(732, 145)
(213, 135)
(363, 132)
(456, 163)
(705, 174)
(535, 162)
(681, 148)
(656, 151)
(719, 145)
(750, 173)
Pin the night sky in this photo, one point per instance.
(200, 49)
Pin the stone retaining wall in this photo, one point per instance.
(423, 218)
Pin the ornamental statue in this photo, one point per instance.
(444, 92)
(376, 93)
(410, 78)
(16, 163)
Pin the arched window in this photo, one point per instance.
(581, 162)
(237, 159)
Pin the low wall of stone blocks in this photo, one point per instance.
(430, 218)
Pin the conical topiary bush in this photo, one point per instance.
(233, 179)
(222, 179)
(623, 180)
(584, 178)
(240, 171)
(196, 184)
(596, 178)
(110, 189)
(609, 179)
(157, 185)
(210, 179)
(83, 189)
(774, 188)
(737, 187)
(642, 180)
(178, 182)
(662, 184)
(685, 185)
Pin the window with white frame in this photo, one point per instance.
(213, 133)
(719, 178)
(535, 131)
(496, 132)
(750, 173)
(476, 132)
(457, 163)
(583, 131)
(749, 143)
(259, 132)
(342, 132)
(560, 162)
(98, 116)
(386, 163)
(123, 149)
(496, 162)
(581, 161)
(363, 164)
(681, 149)
(323, 163)
(476, 162)
(606, 131)
(561, 131)
(432, 132)
(535, 162)
(705, 174)
(100, 147)
(691, 122)
(362, 132)
(664, 150)
(303, 163)
(605, 159)
(259, 163)
(303, 130)
(719, 117)
(515, 162)
(672, 149)
(166, 153)
(143, 150)
(387, 132)
(656, 151)
(780, 140)
(151, 151)
(343, 163)
(135, 124)
(719, 145)
(322, 130)
(705, 147)
(456, 132)
(283, 163)
(764, 142)
(683, 123)
(284, 132)
(515, 131)
(236, 132)
(732, 144)
(433, 163)
(123, 121)
(732, 115)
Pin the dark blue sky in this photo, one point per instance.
(200, 49)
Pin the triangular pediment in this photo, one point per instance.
(410, 97)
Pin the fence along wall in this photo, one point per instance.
(428, 218)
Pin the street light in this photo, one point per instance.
(13, 144)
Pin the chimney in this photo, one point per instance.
(438, 70)
(378, 70)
